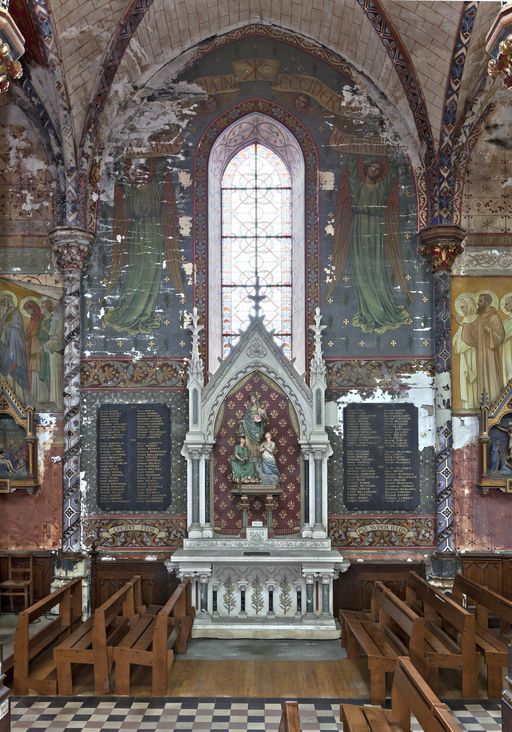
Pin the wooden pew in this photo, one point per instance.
(290, 717)
(93, 642)
(399, 631)
(151, 639)
(450, 638)
(67, 603)
(493, 645)
(410, 695)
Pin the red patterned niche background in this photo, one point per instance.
(227, 517)
(389, 532)
(134, 532)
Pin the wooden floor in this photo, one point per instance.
(343, 679)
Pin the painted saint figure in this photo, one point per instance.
(267, 465)
(242, 467)
(465, 306)
(145, 234)
(253, 425)
(367, 234)
(486, 334)
(13, 348)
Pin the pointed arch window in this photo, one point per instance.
(256, 243)
(256, 229)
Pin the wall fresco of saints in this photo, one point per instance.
(32, 339)
(374, 288)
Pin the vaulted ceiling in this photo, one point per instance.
(426, 58)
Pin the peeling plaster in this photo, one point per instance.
(326, 178)
(185, 223)
(465, 431)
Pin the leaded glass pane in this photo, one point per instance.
(256, 241)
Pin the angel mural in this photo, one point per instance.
(367, 232)
(145, 234)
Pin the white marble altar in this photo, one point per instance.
(259, 585)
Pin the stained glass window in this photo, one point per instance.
(256, 236)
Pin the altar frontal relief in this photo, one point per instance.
(481, 339)
(256, 442)
(32, 339)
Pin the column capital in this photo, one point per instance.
(441, 243)
(71, 247)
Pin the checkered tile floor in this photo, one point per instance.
(64, 714)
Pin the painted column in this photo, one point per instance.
(71, 248)
(441, 244)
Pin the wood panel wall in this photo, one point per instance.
(493, 571)
(44, 565)
(108, 577)
(353, 589)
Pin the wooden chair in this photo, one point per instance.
(20, 579)
(290, 717)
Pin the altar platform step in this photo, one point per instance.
(267, 627)
(241, 649)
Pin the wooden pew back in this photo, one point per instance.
(68, 600)
(467, 592)
(290, 717)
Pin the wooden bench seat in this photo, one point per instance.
(66, 602)
(450, 639)
(151, 639)
(491, 643)
(93, 643)
(410, 695)
(399, 631)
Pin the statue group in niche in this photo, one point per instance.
(497, 463)
(254, 458)
(367, 234)
(483, 342)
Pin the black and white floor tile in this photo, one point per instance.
(64, 714)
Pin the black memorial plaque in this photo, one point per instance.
(380, 457)
(133, 443)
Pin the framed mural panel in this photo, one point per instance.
(32, 339)
(481, 311)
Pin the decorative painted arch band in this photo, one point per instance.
(200, 203)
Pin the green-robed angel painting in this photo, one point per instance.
(367, 236)
(145, 238)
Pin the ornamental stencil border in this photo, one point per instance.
(382, 532)
(134, 531)
(201, 204)
(125, 372)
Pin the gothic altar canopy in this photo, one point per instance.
(257, 452)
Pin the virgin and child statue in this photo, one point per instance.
(253, 459)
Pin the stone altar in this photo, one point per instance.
(254, 584)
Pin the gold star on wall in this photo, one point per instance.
(408, 277)
(330, 344)
(425, 341)
(424, 298)
(167, 321)
(346, 322)
(182, 344)
(362, 344)
(392, 343)
(167, 279)
(330, 300)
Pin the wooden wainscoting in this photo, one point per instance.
(353, 589)
(42, 569)
(492, 570)
(108, 577)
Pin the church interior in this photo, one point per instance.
(255, 364)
